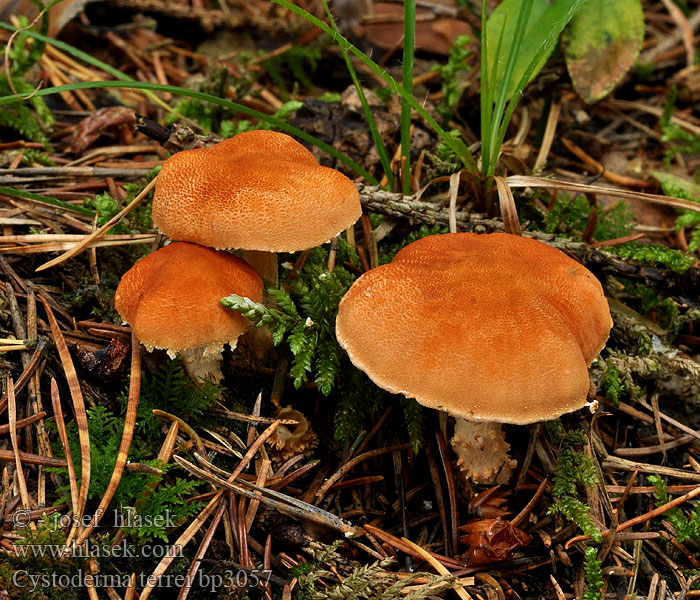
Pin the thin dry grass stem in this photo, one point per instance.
(102, 230)
(524, 181)
(437, 565)
(548, 137)
(8, 62)
(276, 500)
(79, 412)
(557, 588)
(294, 475)
(648, 516)
(657, 424)
(527, 509)
(372, 432)
(21, 423)
(63, 436)
(127, 437)
(617, 241)
(201, 552)
(242, 533)
(184, 427)
(684, 29)
(523, 130)
(263, 470)
(622, 464)
(113, 151)
(130, 593)
(672, 421)
(61, 246)
(370, 241)
(267, 563)
(507, 204)
(89, 582)
(353, 462)
(31, 458)
(399, 545)
(628, 105)
(609, 175)
(439, 497)
(34, 401)
(454, 188)
(199, 520)
(12, 417)
(46, 242)
(451, 489)
(251, 418)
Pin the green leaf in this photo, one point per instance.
(601, 44)
(546, 21)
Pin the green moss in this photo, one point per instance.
(593, 573)
(573, 467)
(653, 254)
(613, 386)
(685, 522)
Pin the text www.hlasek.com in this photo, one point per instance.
(89, 550)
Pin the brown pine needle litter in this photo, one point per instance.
(361, 493)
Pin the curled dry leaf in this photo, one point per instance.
(115, 121)
(491, 540)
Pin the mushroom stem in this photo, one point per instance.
(265, 263)
(482, 452)
(204, 363)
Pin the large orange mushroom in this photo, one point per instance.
(489, 328)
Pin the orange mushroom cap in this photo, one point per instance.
(259, 190)
(171, 297)
(486, 327)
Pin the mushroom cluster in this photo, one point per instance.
(489, 328)
(258, 191)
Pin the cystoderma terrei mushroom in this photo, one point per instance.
(257, 191)
(171, 300)
(490, 328)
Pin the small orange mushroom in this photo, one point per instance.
(171, 300)
(489, 328)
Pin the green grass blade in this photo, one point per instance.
(490, 118)
(457, 146)
(46, 200)
(505, 83)
(409, 44)
(369, 117)
(157, 87)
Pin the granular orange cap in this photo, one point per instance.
(171, 297)
(486, 327)
(259, 190)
